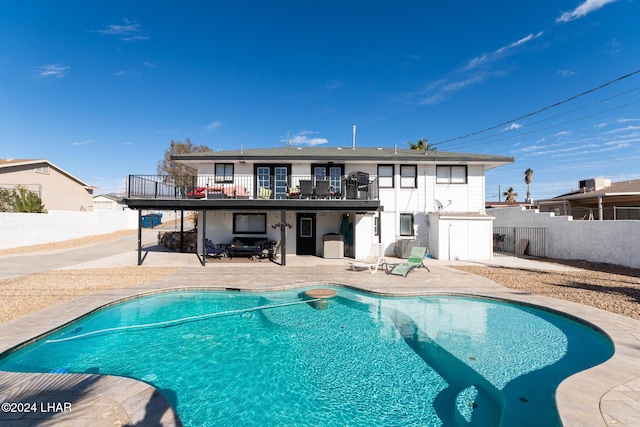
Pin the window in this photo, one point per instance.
(385, 176)
(451, 174)
(224, 172)
(408, 176)
(306, 227)
(250, 223)
(274, 178)
(330, 172)
(406, 224)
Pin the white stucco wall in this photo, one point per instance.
(26, 229)
(614, 242)
(364, 235)
(460, 237)
(219, 227)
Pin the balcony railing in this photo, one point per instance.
(355, 186)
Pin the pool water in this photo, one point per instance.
(364, 360)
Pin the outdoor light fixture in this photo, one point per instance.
(282, 225)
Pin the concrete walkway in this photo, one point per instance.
(608, 394)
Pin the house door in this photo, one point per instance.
(273, 178)
(306, 234)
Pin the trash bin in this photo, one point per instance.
(333, 245)
(156, 219)
(145, 221)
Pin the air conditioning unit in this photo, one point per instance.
(404, 246)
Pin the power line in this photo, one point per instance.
(546, 128)
(540, 110)
(521, 133)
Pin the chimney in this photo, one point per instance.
(353, 138)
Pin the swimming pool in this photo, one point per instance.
(365, 360)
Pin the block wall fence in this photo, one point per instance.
(613, 242)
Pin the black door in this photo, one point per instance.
(306, 234)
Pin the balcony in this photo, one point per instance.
(355, 186)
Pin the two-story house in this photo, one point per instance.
(372, 199)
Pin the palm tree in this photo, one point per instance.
(528, 177)
(510, 195)
(422, 145)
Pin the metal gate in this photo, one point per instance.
(519, 241)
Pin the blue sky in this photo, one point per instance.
(100, 88)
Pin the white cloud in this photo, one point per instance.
(567, 73)
(129, 72)
(476, 71)
(213, 126)
(533, 148)
(501, 52)
(440, 90)
(52, 70)
(522, 41)
(624, 129)
(584, 9)
(85, 142)
(513, 126)
(305, 137)
(127, 32)
(563, 133)
(614, 46)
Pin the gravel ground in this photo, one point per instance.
(609, 287)
(28, 294)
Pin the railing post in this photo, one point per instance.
(139, 237)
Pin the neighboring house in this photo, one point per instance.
(113, 202)
(598, 198)
(57, 188)
(500, 205)
(379, 199)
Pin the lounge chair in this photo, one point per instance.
(264, 193)
(212, 250)
(197, 193)
(414, 261)
(373, 267)
(322, 189)
(306, 189)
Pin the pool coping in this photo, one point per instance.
(607, 394)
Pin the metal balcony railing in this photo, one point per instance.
(355, 186)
